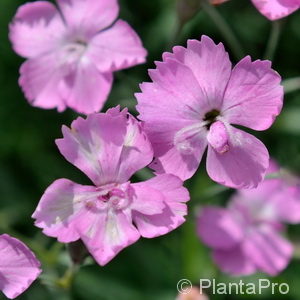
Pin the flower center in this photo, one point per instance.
(72, 52)
(188, 139)
(211, 117)
(257, 213)
(115, 197)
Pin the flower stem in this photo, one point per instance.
(224, 28)
(77, 252)
(273, 40)
(66, 281)
(291, 84)
(215, 190)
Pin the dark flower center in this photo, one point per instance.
(77, 46)
(210, 117)
(80, 42)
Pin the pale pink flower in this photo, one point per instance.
(276, 9)
(194, 98)
(246, 236)
(18, 266)
(113, 213)
(271, 9)
(72, 52)
(194, 294)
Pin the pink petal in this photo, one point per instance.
(274, 200)
(36, 29)
(172, 216)
(263, 192)
(254, 209)
(86, 89)
(106, 147)
(209, 63)
(173, 118)
(268, 250)
(276, 9)
(273, 167)
(180, 107)
(146, 199)
(18, 266)
(61, 207)
(89, 16)
(94, 145)
(41, 81)
(181, 159)
(243, 165)
(254, 96)
(137, 150)
(218, 228)
(116, 48)
(287, 204)
(171, 187)
(234, 261)
(195, 293)
(106, 233)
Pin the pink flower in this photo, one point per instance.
(194, 98)
(194, 294)
(271, 9)
(276, 9)
(246, 236)
(18, 266)
(72, 52)
(113, 213)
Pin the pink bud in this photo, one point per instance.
(194, 294)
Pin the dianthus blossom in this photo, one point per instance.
(72, 50)
(247, 235)
(191, 104)
(113, 213)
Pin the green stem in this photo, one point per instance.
(273, 40)
(66, 281)
(214, 191)
(297, 249)
(285, 175)
(276, 175)
(175, 35)
(224, 28)
(291, 84)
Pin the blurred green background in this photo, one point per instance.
(29, 160)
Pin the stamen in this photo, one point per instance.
(110, 196)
